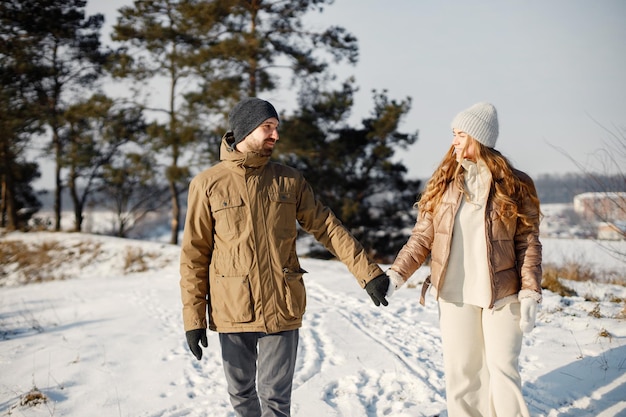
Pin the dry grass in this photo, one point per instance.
(605, 333)
(412, 284)
(44, 261)
(33, 398)
(553, 277)
(572, 270)
(575, 270)
(137, 260)
(596, 312)
(550, 281)
(48, 260)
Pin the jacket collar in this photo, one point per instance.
(246, 160)
(477, 180)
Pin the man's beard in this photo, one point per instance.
(266, 151)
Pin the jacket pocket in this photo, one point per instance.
(231, 297)
(283, 197)
(295, 292)
(283, 212)
(229, 215)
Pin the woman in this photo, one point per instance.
(479, 222)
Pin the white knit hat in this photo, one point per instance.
(480, 122)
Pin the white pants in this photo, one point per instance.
(480, 353)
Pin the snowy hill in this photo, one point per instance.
(106, 339)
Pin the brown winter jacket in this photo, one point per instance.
(238, 255)
(513, 250)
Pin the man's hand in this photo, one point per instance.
(377, 289)
(194, 338)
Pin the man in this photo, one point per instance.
(239, 262)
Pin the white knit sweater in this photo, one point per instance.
(467, 276)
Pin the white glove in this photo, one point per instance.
(395, 281)
(528, 310)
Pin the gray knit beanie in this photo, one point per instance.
(480, 122)
(247, 115)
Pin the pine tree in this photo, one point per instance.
(171, 40)
(64, 46)
(219, 50)
(269, 37)
(352, 169)
(19, 114)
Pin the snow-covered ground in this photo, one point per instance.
(105, 342)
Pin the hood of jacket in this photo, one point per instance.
(248, 159)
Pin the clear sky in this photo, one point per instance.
(555, 70)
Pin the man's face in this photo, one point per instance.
(262, 139)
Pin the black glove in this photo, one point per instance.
(194, 337)
(377, 289)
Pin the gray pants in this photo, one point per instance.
(275, 360)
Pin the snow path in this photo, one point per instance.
(110, 344)
(389, 346)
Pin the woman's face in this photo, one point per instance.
(464, 146)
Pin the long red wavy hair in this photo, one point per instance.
(508, 190)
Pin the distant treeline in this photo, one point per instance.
(562, 188)
(134, 154)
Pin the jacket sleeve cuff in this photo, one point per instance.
(530, 294)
